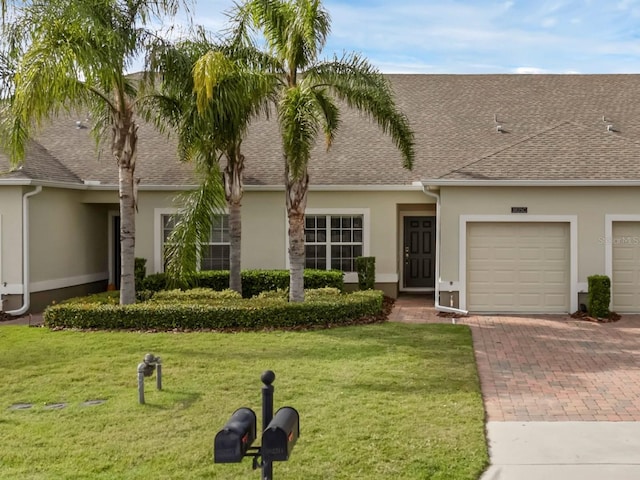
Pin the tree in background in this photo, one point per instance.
(307, 92)
(69, 54)
(210, 130)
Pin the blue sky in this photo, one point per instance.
(480, 36)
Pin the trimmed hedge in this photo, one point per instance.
(195, 295)
(253, 281)
(599, 296)
(366, 268)
(253, 314)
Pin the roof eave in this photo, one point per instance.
(530, 183)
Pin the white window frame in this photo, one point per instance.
(159, 213)
(365, 213)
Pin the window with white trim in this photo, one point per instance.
(333, 241)
(214, 254)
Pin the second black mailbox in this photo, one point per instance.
(232, 442)
(281, 435)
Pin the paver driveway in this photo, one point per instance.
(550, 368)
(558, 368)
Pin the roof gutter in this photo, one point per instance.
(26, 293)
(440, 308)
(530, 183)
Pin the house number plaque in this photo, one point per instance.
(518, 209)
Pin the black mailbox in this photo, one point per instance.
(231, 443)
(281, 435)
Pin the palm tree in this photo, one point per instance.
(209, 130)
(308, 89)
(75, 53)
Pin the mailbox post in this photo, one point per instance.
(267, 413)
(279, 433)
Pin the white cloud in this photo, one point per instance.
(478, 36)
(529, 70)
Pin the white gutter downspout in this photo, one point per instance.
(26, 294)
(440, 308)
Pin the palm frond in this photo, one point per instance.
(362, 87)
(299, 119)
(195, 218)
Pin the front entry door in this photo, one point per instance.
(115, 240)
(419, 252)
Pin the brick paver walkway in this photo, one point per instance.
(550, 368)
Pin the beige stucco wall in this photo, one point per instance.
(264, 223)
(67, 248)
(11, 235)
(589, 204)
(68, 238)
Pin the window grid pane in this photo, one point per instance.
(340, 248)
(215, 254)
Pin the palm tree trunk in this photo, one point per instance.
(233, 185)
(125, 137)
(296, 204)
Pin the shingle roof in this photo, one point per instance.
(561, 152)
(553, 129)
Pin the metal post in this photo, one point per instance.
(141, 367)
(159, 373)
(267, 415)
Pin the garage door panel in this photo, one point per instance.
(527, 276)
(504, 277)
(521, 267)
(531, 300)
(555, 277)
(625, 279)
(555, 300)
(503, 253)
(527, 253)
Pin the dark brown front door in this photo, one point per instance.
(419, 252)
(116, 251)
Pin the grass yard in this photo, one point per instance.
(388, 400)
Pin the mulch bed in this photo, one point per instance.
(613, 317)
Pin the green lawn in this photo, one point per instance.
(378, 401)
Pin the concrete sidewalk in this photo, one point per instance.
(563, 451)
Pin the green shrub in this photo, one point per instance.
(279, 294)
(319, 294)
(195, 295)
(257, 281)
(246, 314)
(366, 268)
(111, 297)
(253, 281)
(599, 296)
(213, 279)
(139, 272)
(323, 278)
(154, 282)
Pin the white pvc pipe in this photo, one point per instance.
(26, 293)
(440, 308)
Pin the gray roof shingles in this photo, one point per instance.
(553, 129)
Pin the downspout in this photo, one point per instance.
(440, 308)
(26, 294)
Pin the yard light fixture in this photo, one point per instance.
(149, 364)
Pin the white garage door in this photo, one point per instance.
(518, 267)
(625, 281)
